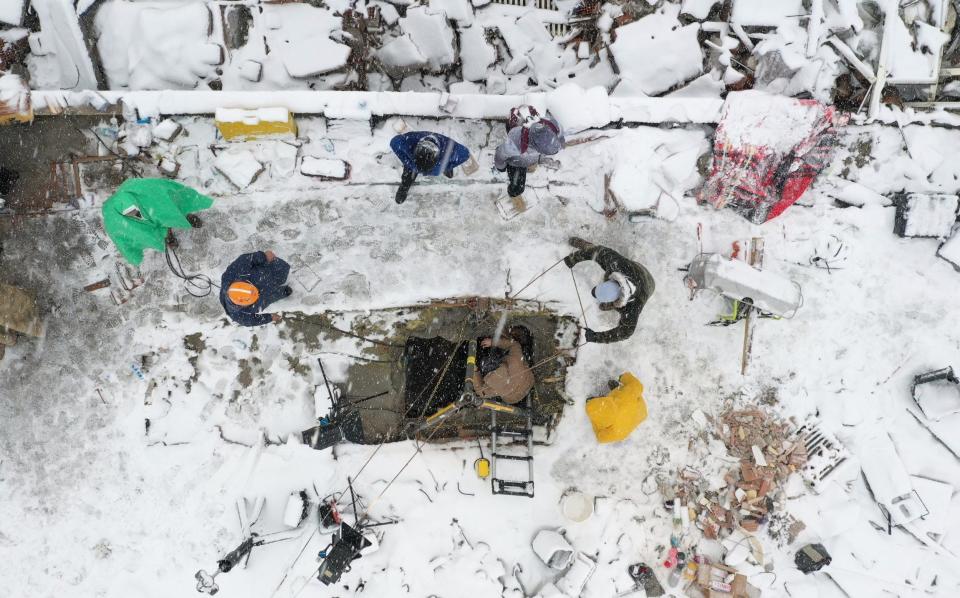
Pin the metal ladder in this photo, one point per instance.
(512, 487)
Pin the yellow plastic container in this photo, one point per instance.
(242, 124)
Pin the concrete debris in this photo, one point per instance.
(752, 492)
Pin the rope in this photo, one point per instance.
(535, 279)
(417, 451)
(199, 282)
(577, 289)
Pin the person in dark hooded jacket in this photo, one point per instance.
(529, 138)
(250, 284)
(626, 288)
(422, 152)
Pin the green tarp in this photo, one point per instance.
(142, 211)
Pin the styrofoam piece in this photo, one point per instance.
(328, 168)
(888, 478)
(293, 512)
(239, 166)
(573, 581)
(167, 130)
(553, 549)
(251, 70)
(737, 280)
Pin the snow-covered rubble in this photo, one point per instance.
(680, 58)
(153, 46)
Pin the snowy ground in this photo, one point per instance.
(90, 507)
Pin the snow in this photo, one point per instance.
(252, 117)
(14, 95)
(475, 53)
(909, 59)
(315, 56)
(705, 86)
(431, 34)
(239, 166)
(401, 52)
(458, 11)
(324, 167)
(162, 512)
(11, 11)
(680, 57)
(763, 12)
(166, 130)
(123, 513)
(61, 30)
(697, 9)
(577, 109)
(154, 46)
(938, 399)
(950, 250)
(930, 215)
(365, 104)
(785, 121)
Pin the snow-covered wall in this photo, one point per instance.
(575, 108)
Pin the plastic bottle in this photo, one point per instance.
(671, 558)
(674, 578)
(137, 371)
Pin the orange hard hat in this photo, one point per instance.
(243, 293)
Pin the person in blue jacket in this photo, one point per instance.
(423, 152)
(251, 283)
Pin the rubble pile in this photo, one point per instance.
(769, 452)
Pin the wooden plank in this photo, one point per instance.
(755, 259)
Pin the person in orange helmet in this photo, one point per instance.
(251, 283)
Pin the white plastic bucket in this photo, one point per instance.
(577, 506)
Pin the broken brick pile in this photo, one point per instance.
(769, 452)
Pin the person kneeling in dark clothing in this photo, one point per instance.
(426, 153)
(626, 288)
(250, 284)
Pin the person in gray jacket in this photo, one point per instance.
(529, 136)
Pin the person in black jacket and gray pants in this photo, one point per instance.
(626, 288)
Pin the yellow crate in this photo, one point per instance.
(241, 124)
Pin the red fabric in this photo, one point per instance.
(760, 184)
